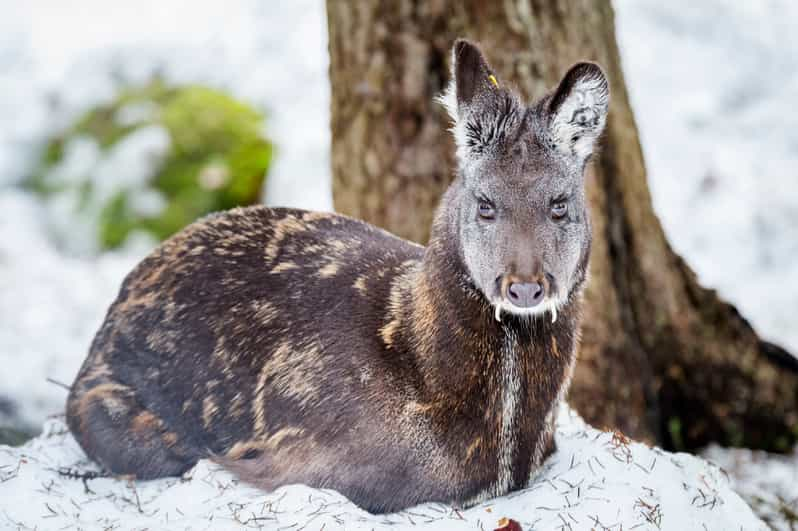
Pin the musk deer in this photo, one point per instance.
(305, 347)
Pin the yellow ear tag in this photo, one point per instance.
(493, 80)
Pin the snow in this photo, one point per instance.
(768, 482)
(50, 307)
(595, 480)
(59, 59)
(713, 96)
(72, 217)
(55, 64)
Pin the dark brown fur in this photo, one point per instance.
(351, 367)
(301, 347)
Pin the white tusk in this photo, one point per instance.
(554, 314)
(498, 314)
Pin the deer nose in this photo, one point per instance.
(525, 294)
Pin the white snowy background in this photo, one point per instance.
(713, 84)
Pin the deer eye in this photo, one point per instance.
(486, 210)
(559, 209)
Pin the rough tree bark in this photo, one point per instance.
(662, 358)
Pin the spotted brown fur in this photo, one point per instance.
(216, 354)
(305, 347)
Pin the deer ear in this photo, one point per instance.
(472, 75)
(578, 109)
(474, 100)
(472, 79)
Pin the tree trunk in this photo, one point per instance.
(662, 358)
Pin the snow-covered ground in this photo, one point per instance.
(596, 480)
(768, 482)
(713, 84)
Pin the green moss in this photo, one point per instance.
(100, 124)
(782, 443)
(735, 434)
(202, 120)
(675, 432)
(217, 159)
(115, 222)
(12, 437)
(54, 151)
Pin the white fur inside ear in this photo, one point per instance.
(580, 118)
(449, 101)
(482, 124)
(448, 98)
